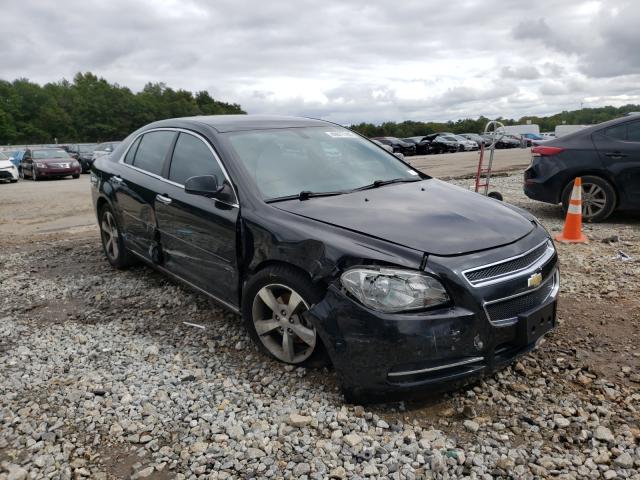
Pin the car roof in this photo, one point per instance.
(233, 123)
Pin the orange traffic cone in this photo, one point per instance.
(572, 232)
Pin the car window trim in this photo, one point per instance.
(121, 161)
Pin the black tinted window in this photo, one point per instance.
(152, 150)
(619, 132)
(192, 158)
(633, 132)
(132, 152)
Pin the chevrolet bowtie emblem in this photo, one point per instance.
(534, 280)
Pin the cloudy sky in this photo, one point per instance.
(343, 60)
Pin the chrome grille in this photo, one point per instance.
(501, 311)
(507, 267)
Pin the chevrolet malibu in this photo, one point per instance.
(331, 249)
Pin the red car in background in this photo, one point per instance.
(40, 163)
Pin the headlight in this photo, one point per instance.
(393, 290)
(41, 165)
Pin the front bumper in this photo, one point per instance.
(381, 356)
(9, 174)
(58, 172)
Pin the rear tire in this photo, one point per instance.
(274, 303)
(112, 241)
(599, 198)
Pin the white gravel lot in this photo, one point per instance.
(100, 378)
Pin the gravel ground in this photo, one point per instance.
(101, 378)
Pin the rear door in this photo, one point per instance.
(198, 234)
(136, 188)
(619, 150)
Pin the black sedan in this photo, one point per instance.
(423, 144)
(606, 156)
(399, 146)
(331, 249)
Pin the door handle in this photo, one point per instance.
(615, 155)
(162, 199)
(117, 179)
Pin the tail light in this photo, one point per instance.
(545, 151)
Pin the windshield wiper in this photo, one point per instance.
(380, 183)
(303, 195)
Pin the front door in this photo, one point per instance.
(198, 234)
(619, 150)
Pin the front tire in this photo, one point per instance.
(75, 176)
(274, 306)
(112, 241)
(598, 198)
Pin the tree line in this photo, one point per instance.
(584, 116)
(90, 109)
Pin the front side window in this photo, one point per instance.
(619, 132)
(192, 158)
(633, 132)
(152, 151)
(286, 162)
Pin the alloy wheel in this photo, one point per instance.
(279, 320)
(109, 232)
(594, 200)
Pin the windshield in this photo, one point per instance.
(50, 154)
(4, 156)
(286, 162)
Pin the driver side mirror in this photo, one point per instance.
(204, 185)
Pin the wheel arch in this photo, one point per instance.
(276, 263)
(589, 172)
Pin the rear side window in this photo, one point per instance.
(192, 158)
(132, 152)
(152, 151)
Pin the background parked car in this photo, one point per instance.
(399, 146)
(466, 144)
(388, 148)
(503, 142)
(443, 143)
(606, 156)
(423, 145)
(83, 152)
(480, 140)
(8, 170)
(102, 149)
(16, 158)
(40, 163)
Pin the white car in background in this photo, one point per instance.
(466, 144)
(8, 170)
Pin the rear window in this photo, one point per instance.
(152, 151)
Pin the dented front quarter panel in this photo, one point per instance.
(323, 251)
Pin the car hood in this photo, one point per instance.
(6, 164)
(430, 216)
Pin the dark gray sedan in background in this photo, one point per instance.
(331, 249)
(606, 156)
